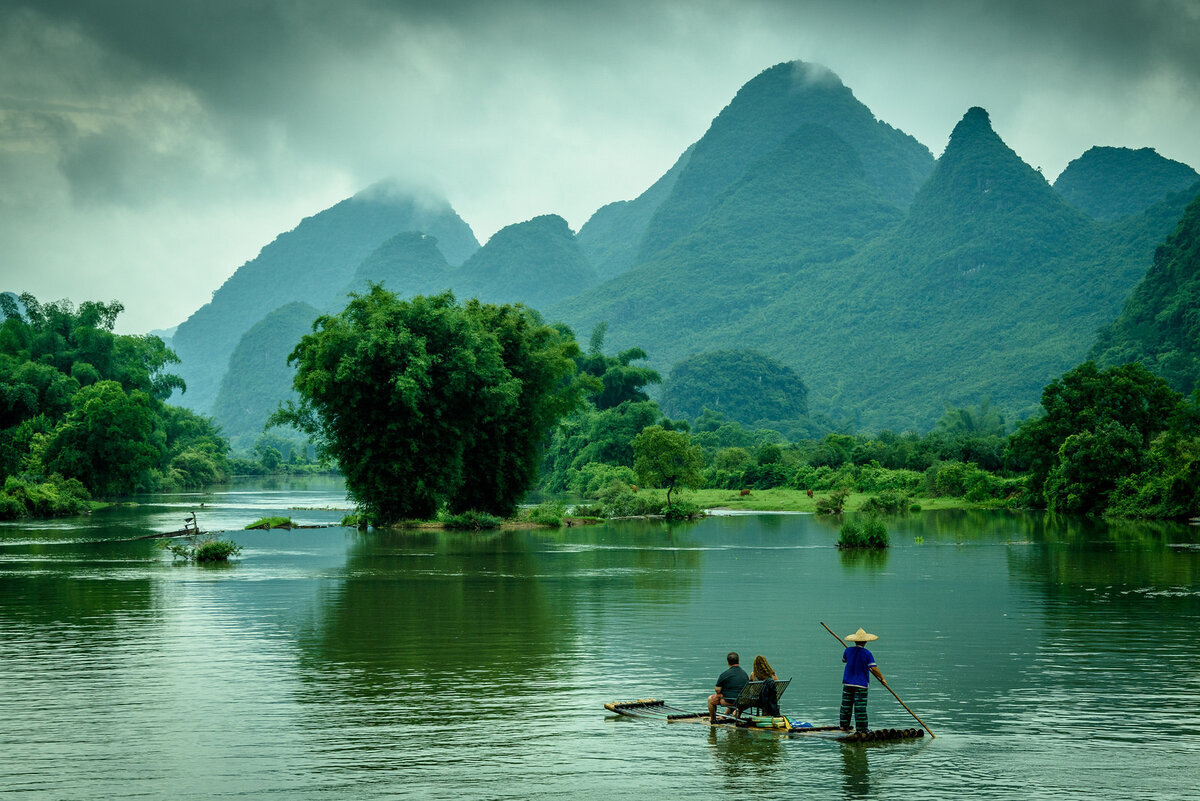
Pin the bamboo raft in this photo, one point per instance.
(654, 709)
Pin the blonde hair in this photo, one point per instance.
(762, 668)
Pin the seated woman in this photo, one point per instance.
(768, 701)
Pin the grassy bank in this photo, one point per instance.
(792, 500)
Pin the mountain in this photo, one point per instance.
(536, 262)
(410, 263)
(309, 264)
(987, 285)
(745, 385)
(259, 377)
(1114, 182)
(610, 238)
(1160, 324)
(764, 113)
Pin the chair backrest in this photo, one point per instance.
(752, 691)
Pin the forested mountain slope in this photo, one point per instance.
(309, 264)
(1114, 182)
(989, 286)
(536, 262)
(764, 113)
(259, 377)
(1160, 325)
(610, 238)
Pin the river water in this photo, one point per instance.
(1052, 658)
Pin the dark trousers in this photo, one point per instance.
(854, 698)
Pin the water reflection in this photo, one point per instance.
(743, 754)
(856, 771)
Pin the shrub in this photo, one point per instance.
(202, 549)
(887, 502)
(593, 477)
(548, 514)
(871, 534)
(620, 500)
(833, 503)
(216, 550)
(54, 497)
(356, 520)
(683, 510)
(269, 523)
(470, 520)
(592, 510)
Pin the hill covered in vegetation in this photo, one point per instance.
(1114, 182)
(987, 285)
(309, 264)
(1160, 324)
(259, 377)
(798, 226)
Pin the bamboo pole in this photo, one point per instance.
(932, 736)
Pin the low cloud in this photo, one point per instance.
(148, 149)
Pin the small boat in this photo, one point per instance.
(655, 709)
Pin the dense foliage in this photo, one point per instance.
(744, 385)
(1160, 324)
(259, 376)
(1113, 182)
(82, 411)
(667, 459)
(988, 285)
(1103, 429)
(426, 402)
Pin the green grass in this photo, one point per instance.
(271, 522)
(792, 500)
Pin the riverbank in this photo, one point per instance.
(792, 500)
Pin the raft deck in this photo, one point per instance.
(655, 709)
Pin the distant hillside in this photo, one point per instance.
(536, 262)
(308, 264)
(259, 377)
(764, 113)
(1114, 182)
(1160, 324)
(989, 286)
(410, 264)
(611, 237)
(744, 385)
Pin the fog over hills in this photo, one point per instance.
(798, 225)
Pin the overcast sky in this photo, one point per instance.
(150, 147)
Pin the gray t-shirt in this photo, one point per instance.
(732, 682)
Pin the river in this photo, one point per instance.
(1053, 658)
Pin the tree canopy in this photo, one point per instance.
(81, 404)
(426, 402)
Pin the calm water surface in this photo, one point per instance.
(1052, 658)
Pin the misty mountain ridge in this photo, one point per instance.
(310, 264)
(764, 113)
(801, 226)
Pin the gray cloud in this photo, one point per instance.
(148, 148)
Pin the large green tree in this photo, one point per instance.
(87, 404)
(667, 459)
(1096, 426)
(428, 402)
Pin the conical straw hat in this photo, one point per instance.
(860, 636)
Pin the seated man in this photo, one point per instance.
(729, 686)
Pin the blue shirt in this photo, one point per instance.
(858, 661)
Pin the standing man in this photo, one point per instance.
(860, 665)
(729, 686)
